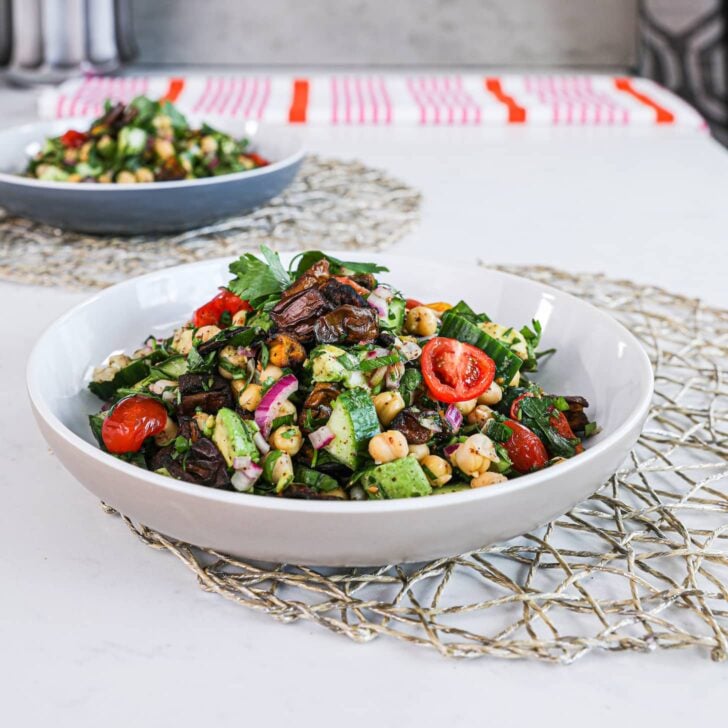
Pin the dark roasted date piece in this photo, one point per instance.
(347, 325)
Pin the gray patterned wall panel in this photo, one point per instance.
(683, 45)
(388, 32)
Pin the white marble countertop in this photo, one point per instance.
(97, 629)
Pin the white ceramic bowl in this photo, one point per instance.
(596, 358)
(158, 207)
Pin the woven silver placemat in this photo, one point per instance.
(331, 204)
(641, 565)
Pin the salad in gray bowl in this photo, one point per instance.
(142, 168)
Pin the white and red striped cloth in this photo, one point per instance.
(392, 99)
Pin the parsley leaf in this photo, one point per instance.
(196, 363)
(276, 266)
(532, 337)
(256, 279)
(536, 414)
(303, 261)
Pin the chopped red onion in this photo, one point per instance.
(450, 449)
(454, 417)
(245, 351)
(241, 462)
(375, 353)
(410, 351)
(160, 385)
(394, 375)
(272, 402)
(383, 292)
(321, 438)
(378, 303)
(260, 443)
(246, 474)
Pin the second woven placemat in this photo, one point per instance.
(331, 204)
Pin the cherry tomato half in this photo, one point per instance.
(524, 448)
(210, 313)
(73, 139)
(260, 161)
(455, 371)
(412, 303)
(132, 421)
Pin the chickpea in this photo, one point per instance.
(250, 397)
(182, 341)
(232, 358)
(239, 318)
(388, 405)
(70, 156)
(105, 178)
(205, 423)
(492, 395)
(282, 470)
(205, 333)
(167, 435)
(126, 178)
(119, 361)
(475, 455)
(467, 406)
(287, 409)
(85, 151)
(271, 372)
(480, 415)
(419, 452)
(144, 174)
(487, 478)
(238, 385)
(163, 148)
(208, 144)
(287, 438)
(421, 321)
(162, 122)
(73, 178)
(388, 446)
(104, 374)
(437, 470)
(285, 351)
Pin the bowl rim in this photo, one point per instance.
(101, 187)
(404, 505)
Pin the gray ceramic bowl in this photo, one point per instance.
(155, 207)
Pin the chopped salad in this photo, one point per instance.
(319, 381)
(143, 141)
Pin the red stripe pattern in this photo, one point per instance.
(393, 99)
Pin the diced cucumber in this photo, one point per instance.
(314, 479)
(394, 320)
(403, 478)
(454, 488)
(354, 422)
(232, 437)
(127, 377)
(326, 367)
(172, 368)
(512, 338)
(506, 362)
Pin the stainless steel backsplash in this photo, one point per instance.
(387, 32)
